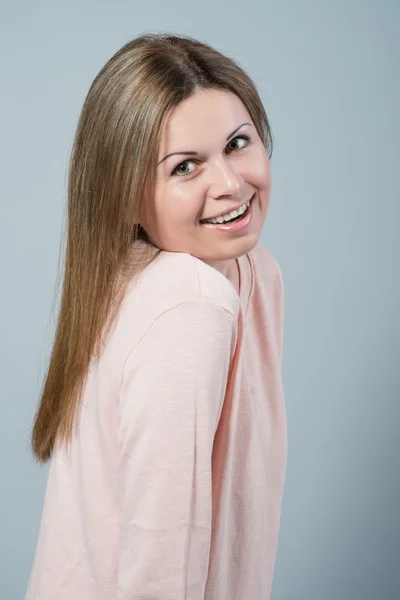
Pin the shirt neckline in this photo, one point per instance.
(246, 280)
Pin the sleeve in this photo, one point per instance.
(171, 398)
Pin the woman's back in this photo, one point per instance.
(173, 484)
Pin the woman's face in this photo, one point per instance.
(223, 172)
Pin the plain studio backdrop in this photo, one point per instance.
(328, 74)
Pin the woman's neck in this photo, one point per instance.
(228, 268)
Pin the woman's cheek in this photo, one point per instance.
(263, 170)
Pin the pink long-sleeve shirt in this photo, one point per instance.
(173, 484)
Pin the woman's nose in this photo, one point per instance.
(224, 179)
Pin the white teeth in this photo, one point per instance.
(230, 215)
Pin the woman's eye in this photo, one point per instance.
(239, 137)
(175, 171)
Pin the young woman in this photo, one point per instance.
(163, 407)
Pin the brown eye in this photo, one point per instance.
(240, 137)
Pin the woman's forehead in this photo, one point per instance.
(208, 114)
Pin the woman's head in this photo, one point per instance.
(211, 160)
(159, 94)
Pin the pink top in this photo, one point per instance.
(173, 486)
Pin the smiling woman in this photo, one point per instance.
(163, 408)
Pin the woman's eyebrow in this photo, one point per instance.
(193, 153)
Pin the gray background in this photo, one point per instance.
(328, 73)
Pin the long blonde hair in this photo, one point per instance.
(111, 170)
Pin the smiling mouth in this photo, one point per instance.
(238, 218)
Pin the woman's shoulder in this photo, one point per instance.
(172, 279)
(176, 277)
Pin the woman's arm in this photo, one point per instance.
(172, 393)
